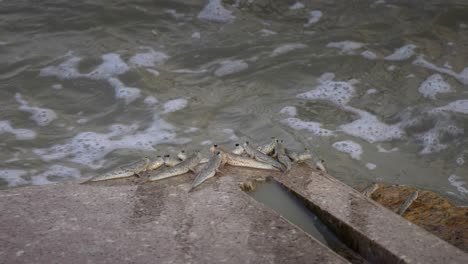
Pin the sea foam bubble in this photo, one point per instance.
(314, 17)
(346, 46)
(13, 177)
(229, 67)
(215, 11)
(41, 116)
(350, 147)
(313, 127)
(20, 133)
(175, 105)
(402, 53)
(288, 47)
(148, 59)
(433, 85)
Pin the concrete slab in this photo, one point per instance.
(378, 234)
(119, 222)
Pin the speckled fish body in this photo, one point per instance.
(156, 164)
(238, 150)
(171, 161)
(294, 156)
(304, 156)
(208, 170)
(269, 147)
(124, 171)
(282, 157)
(182, 155)
(241, 161)
(369, 190)
(260, 156)
(183, 167)
(413, 196)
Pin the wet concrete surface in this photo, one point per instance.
(158, 222)
(377, 233)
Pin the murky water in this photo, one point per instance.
(278, 198)
(376, 88)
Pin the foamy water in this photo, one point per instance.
(363, 88)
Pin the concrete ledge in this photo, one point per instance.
(120, 222)
(378, 234)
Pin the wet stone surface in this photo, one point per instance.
(157, 222)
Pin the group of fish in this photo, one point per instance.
(245, 155)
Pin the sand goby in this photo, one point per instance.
(128, 170)
(209, 169)
(241, 161)
(282, 157)
(260, 156)
(409, 201)
(155, 164)
(183, 167)
(268, 148)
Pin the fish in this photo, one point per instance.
(304, 156)
(128, 170)
(238, 150)
(413, 196)
(369, 190)
(260, 156)
(209, 169)
(241, 161)
(294, 156)
(155, 164)
(268, 148)
(182, 155)
(282, 157)
(320, 165)
(170, 161)
(185, 166)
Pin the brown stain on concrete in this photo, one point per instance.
(430, 211)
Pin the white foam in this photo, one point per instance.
(391, 68)
(337, 92)
(350, 147)
(229, 67)
(289, 110)
(313, 127)
(206, 143)
(196, 35)
(150, 100)
(175, 105)
(296, 6)
(41, 116)
(148, 59)
(214, 11)
(458, 183)
(153, 71)
(314, 17)
(346, 46)
(112, 65)
(13, 177)
(369, 128)
(369, 55)
(191, 130)
(82, 121)
(325, 77)
(459, 106)
(371, 166)
(174, 13)
(461, 77)
(57, 86)
(460, 161)
(20, 133)
(433, 85)
(266, 32)
(431, 139)
(230, 132)
(285, 48)
(381, 149)
(371, 91)
(402, 53)
(89, 148)
(55, 171)
(128, 94)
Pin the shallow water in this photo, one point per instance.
(376, 88)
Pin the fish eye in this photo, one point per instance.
(237, 144)
(167, 155)
(215, 145)
(183, 151)
(247, 142)
(158, 156)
